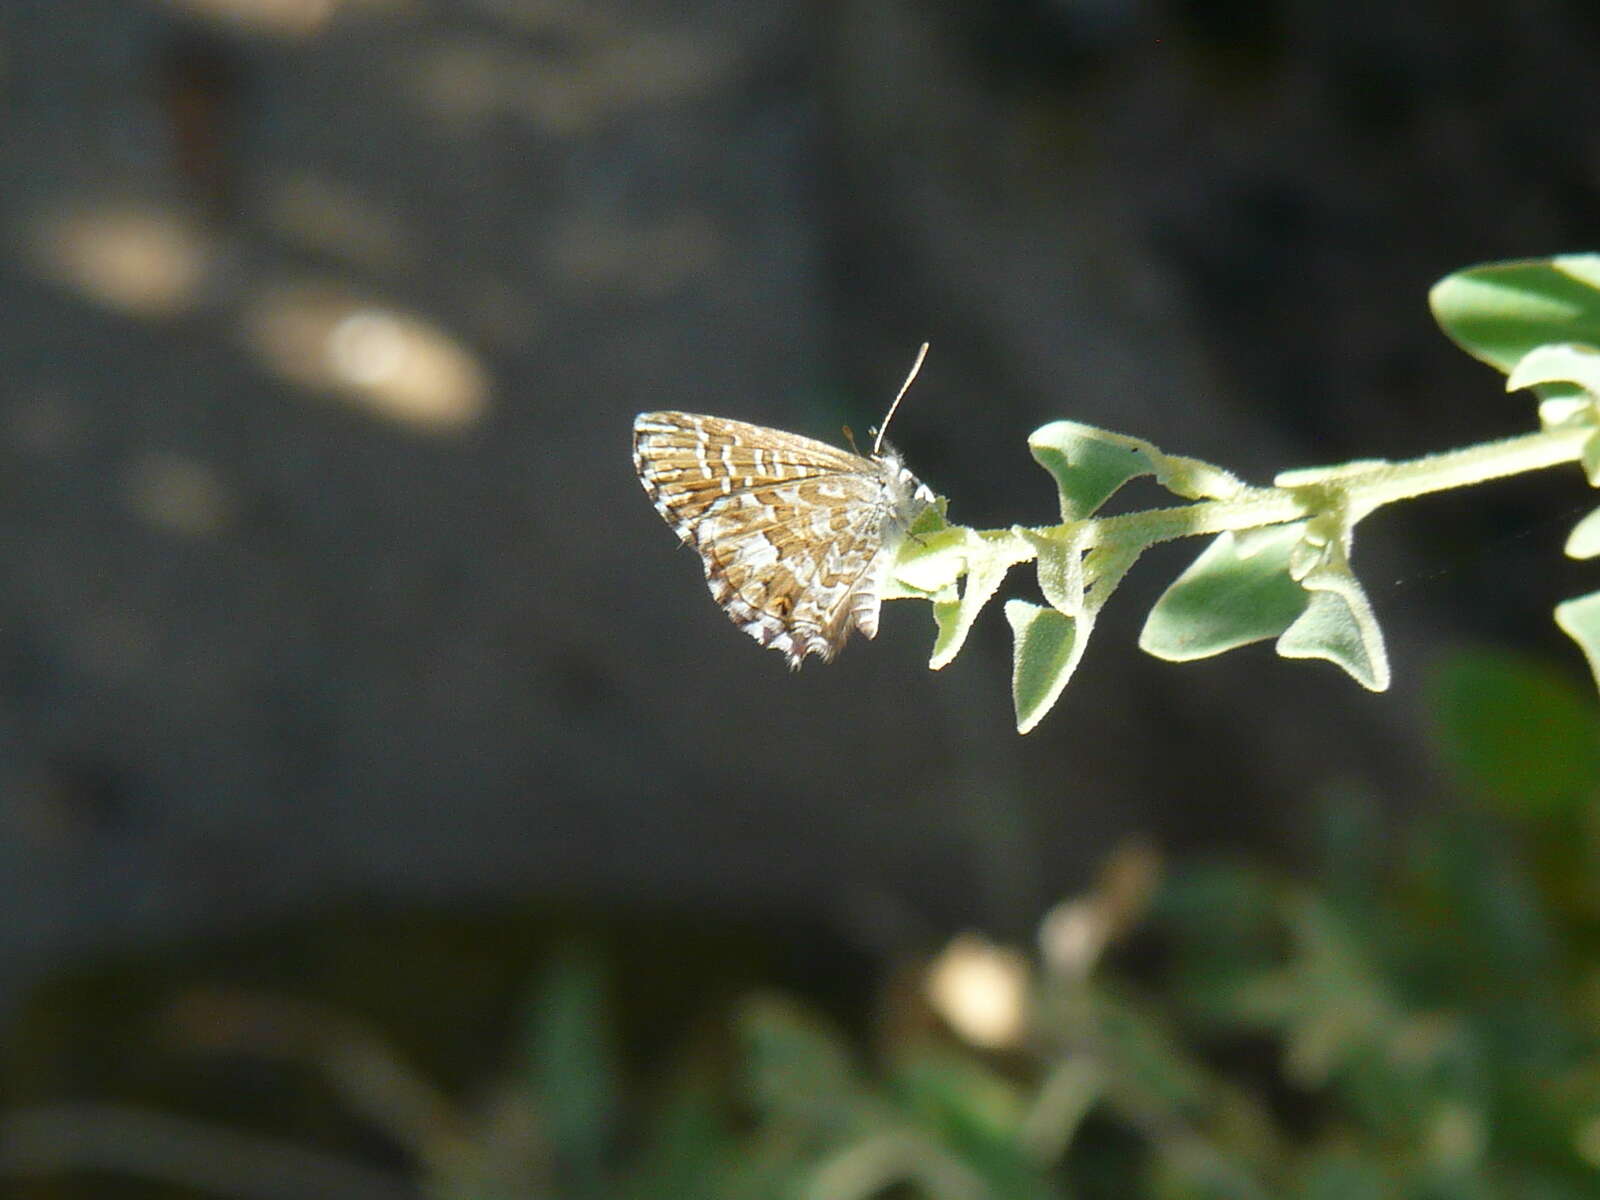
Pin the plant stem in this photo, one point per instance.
(1256, 508)
(1389, 482)
(1362, 486)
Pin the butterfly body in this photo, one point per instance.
(795, 535)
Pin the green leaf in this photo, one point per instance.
(1334, 1004)
(1591, 460)
(1288, 581)
(1584, 540)
(1338, 625)
(685, 1149)
(797, 1068)
(1060, 570)
(1519, 729)
(930, 560)
(1564, 363)
(571, 1066)
(1343, 1175)
(1048, 646)
(1555, 412)
(1140, 1050)
(986, 571)
(1499, 312)
(1090, 464)
(946, 1086)
(974, 1112)
(1557, 362)
(928, 571)
(1580, 620)
(1237, 592)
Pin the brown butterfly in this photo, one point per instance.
(795, 535)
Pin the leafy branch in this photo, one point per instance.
(1279, 562)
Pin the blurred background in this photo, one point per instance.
(387, 810)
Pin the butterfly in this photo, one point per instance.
(795, 535)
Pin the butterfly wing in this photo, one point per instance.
(688, 462)
(789, 530)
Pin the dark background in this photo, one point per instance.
(329, 593)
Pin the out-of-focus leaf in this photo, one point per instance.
(1338, 1005)
(1350, 838)
(1489, 931)
(571, 1067)
(1222, 909)
(1225, 928)
(796, 1068)
(686, 1151)
(894, 1161)
(1546, 1185)
(1344, 1176)
(1519, 730)
(960, 1095)
(1143, 1056)
(1197, 1172)
(977, 1114)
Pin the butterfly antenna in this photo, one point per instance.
(877, 442)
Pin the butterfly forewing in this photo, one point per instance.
(792, 532)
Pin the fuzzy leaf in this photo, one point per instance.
(1591, 460)
(1499, 312)
(1558, 362)
(1090, 464)
(1338, 625)
(1237, 592)
(1060, 572)
(1559, 411)
(929, 560)
(1048, 646)
(1580, 620)
(954, 619)
(928, 565)
(1584, 540)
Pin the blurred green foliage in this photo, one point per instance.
(1415, 1016)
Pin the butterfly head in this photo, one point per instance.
(908, 496)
